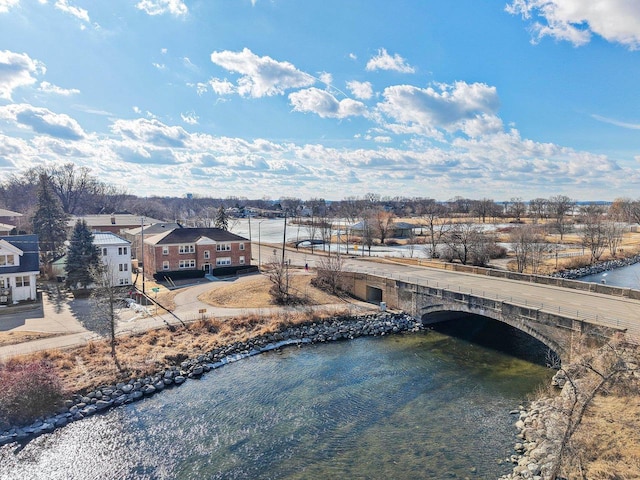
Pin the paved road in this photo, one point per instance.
(64, 316)
(596, 308)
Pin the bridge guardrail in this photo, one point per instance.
(574, 314)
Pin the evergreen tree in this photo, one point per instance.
(49, 223)
(222, 219)
(82, 257)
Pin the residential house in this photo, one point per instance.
(10, 218)
(115, 253)
(195, 251)
(19, 268)
(135, 235)
(114, 223)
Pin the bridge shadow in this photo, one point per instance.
(492, 334)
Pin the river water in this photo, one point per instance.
(415, 406)
(628, 277)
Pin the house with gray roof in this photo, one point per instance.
(19, 268)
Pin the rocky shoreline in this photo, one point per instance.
(110, 396)
(540, 432)
(577, 273)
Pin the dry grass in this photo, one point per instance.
(254, 293)
(609, 439)
(88, 367)
(15, 337)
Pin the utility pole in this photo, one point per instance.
(142, 250)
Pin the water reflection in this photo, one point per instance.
(403, 407)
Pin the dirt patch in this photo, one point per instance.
(15, 337)
(254, 293)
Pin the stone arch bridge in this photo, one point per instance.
(556, 327)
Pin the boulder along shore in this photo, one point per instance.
(109, 396)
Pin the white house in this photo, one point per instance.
(115, 253)
(19, 268)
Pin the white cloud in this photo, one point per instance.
(50, 88)
(159, 66)
(189, 118)
(616, 21)
(222, 87)
(137, 110)
(618, 123)
(361, 90)
(446, 107)
(5, 5)
(353, 56)
(17, 70)
(176, 8)
(384, 61)
(324, 104)
(326, 78)
(42, 120)
(79, 13)
(163, 51)
(151, 131)
(261, 76)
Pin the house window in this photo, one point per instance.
(124, 267)
(104, 252)
(187, 263)
(223, 261)
(122, 250)
(223, 247)
(22, 282)
(165, 250)
(2, 283)
(206, 255)
(241, 259)
(187, 248)
(123, 281)
(242, 246)
(165, 265)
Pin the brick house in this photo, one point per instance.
(194, 252)
(19, 268)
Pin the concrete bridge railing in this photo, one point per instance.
(557, 328)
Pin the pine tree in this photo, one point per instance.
(82, 256)
(49, 223)
(222, 219)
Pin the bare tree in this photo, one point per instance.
(105, 315)
(278, 274)
(468, 243)
(517, 209)
(382, 223)
(593, 230)
(330, 274)
(595, 372)
(432, 212)
(528, 245)
(326, 229)
(613, 232)
(538, 209)
(560, 206)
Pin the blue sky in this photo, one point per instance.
(273, 98)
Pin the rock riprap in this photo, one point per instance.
(106, 397)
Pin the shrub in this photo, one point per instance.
(29, 390)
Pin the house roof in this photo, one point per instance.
(29, 262)
(9, 213)
(154, 229)
(113, 220)
(102, 239)
(192, 235)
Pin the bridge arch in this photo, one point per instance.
(442, 313)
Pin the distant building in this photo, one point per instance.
(115, 253)
(8, 217)
(193, 251)
(19, 268)
(134, 235)
(114, 223)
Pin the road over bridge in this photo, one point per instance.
(555, 315)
